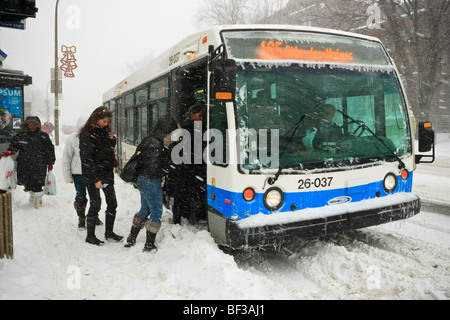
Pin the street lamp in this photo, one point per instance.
(56, 77)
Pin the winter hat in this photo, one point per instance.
(31, 120)
(35, 118)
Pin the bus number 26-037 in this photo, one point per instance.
(317, 183)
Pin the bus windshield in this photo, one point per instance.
(323, 117)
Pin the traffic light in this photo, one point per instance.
(13, 11)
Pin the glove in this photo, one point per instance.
(8, 153)
(50, 167)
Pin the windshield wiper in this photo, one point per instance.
(294, 129)
(362, 125)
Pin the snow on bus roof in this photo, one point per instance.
(296, 28)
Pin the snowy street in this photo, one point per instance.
(407, 259)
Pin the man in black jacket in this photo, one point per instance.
(188, 180)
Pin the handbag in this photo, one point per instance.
(50, 184)
(131, 170)
(8, 179)
(115, 162)
(114, 159)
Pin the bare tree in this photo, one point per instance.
(263, 11)
(416, 33)
(134, 65)
(213, 12)
(216, 12)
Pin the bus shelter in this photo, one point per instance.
(12, 83)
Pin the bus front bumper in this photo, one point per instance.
(263, 232)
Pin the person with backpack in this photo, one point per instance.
(154, 165)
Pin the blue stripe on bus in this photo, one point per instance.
(232, 204)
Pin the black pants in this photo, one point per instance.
(95, 201)
(190, 206)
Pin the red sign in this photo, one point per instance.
(277, 50)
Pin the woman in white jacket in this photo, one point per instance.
(71, 165)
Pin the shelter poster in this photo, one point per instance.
(11, 110)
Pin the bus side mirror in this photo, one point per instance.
(426, 142)
(224, 81)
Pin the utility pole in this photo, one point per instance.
(56, 77)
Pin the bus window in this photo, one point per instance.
(159, 89)
(141, 96)
(142, 123)
(129, 100)
(218, 127)
(159, 109)
(112, 108)
(129, 131)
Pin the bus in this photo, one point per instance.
(309, 131)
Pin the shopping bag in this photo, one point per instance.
(50, 184)
(131, 170)
(8, 178)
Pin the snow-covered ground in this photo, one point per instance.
(407, 259)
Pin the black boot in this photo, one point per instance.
(109, 226)
(98, 222)
(152, 229)
(138, 224)
(150, 242)
(80, 207)
(91, 238)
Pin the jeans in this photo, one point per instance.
(151, 198)
(96, 201)
(79, 188)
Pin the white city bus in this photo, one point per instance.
(309, 130)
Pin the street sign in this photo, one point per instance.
(3, 56)
(52, 86)
(52, 74)
(20, 25)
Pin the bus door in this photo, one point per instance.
(190, 88)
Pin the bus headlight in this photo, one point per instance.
(273, 199)
(390, 183)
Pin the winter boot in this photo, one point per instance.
(152, 230)
(80, 207)
(32, 199)
(150, 242)
(138, 224)
(38, 199)
(98, 222)
(91, 238)
(109, 226)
